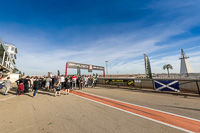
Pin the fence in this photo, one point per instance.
(185, 85)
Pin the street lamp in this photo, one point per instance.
(106, 68)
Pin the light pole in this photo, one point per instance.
(106, 68)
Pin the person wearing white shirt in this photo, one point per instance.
(62, 81)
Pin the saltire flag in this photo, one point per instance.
(147, 66)
(166, 85)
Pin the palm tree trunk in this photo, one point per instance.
(168, 72)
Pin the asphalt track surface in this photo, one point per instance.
(97, 110)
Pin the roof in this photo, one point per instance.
(10, 45)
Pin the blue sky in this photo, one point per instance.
(49, 33)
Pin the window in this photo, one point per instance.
(12, 49)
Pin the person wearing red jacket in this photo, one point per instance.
(74, 82)
(20, 89)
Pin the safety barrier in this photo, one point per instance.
(182, 85)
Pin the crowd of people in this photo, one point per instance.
(55, 84)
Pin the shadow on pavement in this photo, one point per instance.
(45, 93)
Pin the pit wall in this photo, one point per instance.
(13, 77)
(185, 85)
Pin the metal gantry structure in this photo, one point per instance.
(79, 66)
(106, 68)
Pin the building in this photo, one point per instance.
(12, 51)
(185, 65)
(7, 58)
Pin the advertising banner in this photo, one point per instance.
(119, 82)
(90, 67)
(78, 71)
(58, 73)
(147, 66)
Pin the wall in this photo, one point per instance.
(13, 77)
(185, 85)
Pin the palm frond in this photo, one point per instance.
(168, 66)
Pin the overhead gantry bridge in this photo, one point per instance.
(80, 66)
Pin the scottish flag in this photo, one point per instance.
(166, 85)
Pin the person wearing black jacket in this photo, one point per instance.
(67, 84)
(40, 82)
(36, 86)
(22, 80)
(81, 83)
(52, 83)
(26, 84)
(78, 81)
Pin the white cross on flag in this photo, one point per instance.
(166, 85)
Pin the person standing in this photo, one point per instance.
(26, 85)
(7, 85)
(43, 82)
(31, 84)
(52, 83)
(67, 84)
(22, 80)
(47, 86)
(80, 83)
(58, 87)
(74, 82)
(62, 82)
(36, 86)
(86, 81)
(20, 90)
(83, 80)
(40, 81)
(55, 80)
(90, 80)
(93, 81)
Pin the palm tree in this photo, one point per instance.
(168, 66)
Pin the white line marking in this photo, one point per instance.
(6, 98)
(185, 130)
(145, 107)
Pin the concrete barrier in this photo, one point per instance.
(185, 85)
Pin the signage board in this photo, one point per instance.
(90, 68)
(119, 82)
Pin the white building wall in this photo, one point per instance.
(12, 53)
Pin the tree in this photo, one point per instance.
(168, 66)
(15, 70)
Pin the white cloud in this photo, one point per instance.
(39, 55)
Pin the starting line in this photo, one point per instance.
(182, 123)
